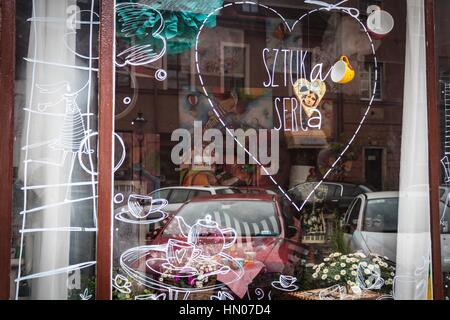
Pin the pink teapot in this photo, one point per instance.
(207, 236)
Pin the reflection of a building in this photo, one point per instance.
(233, 69)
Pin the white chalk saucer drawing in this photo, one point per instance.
(285, 283)
(138, 213)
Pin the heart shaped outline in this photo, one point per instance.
(290, 29)
(179, 252)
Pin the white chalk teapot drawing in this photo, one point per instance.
(207, 236)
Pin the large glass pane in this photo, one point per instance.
(443, 68)
(55, 160)
(285, 137)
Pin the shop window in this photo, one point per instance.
(198, 210)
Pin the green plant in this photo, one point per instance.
(338, 242)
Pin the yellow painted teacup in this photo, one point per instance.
(343, 71)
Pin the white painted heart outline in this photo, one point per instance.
(327, 7)
(179, 254)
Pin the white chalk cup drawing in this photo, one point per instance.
(180, 253)
(379, 24)
(141, 207)
(287, 281)
(343, 71)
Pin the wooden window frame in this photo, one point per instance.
(106, 128)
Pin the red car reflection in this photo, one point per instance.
(254, 236)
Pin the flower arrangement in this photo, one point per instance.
(371, 272)
(206, 276)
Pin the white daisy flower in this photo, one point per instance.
(343, 265)
(324, 277)
(315, 275)
(325, 271)
(366, 271)
(326, 259)
(333, 264)
(354, 273)
(337, 277)
(343, 272)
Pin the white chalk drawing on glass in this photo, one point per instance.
(142, 210)
(195, 260)
(151, 296)
(260, 295)
(335, 292)
(133, 20)
(222, 295)
(71, 101)
(122, 284)
(368, 277)
(73, 131)
(118, 198)
(335, 6)
(85, 295)
(285, 283)
(323, 6)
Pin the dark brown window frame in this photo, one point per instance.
(106, 127)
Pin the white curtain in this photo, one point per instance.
(414, 242)
(47, 134)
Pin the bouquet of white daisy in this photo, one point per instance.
(356, 270)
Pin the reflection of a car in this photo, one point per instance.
(254, 190)
(265, 228)
(371, 225)
(177, 196)
(335, 195)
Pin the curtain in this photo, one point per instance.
(414, 241)
(58, 95)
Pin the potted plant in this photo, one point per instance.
(355, 270)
